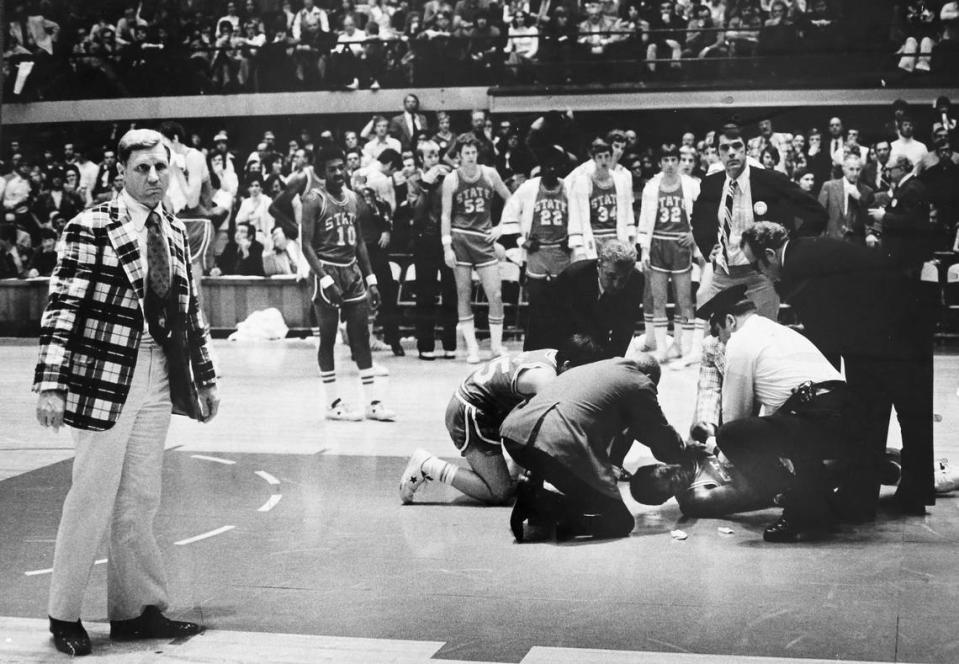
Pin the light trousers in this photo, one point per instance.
(759, 289)
(116, 488)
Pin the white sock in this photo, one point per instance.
(688, 333)
(329, 386)
(368, 386)
(648, 331)
(660, 327)
(468, 330)
(439, 470)
(495, 333)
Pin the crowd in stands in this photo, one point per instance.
(57, 49)
(43, 186)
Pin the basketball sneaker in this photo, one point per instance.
(472, 356)
(376, 345)
(377, 411)
(413, 476)
(947, 477)
(340, 410)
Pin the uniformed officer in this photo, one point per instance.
(808, 414)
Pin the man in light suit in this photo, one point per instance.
(846, 200)
(405, 126)
(121, 291)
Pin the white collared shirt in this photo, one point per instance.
(742, 215)
(848, 189)
(765, 361)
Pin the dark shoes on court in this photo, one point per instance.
(152, 625)
(70, 637)
(790, 529)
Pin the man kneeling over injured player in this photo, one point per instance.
(477, 409)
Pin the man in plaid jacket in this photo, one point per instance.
(121, 284)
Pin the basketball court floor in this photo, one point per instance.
(285, 535)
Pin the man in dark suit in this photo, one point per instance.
(408, 124)
(856, 305)
(846, 200)
(906, 233)
(121, 291)
(874, 173)
(599, 298)
(731, 201)
(65, 203)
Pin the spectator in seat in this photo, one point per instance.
(778, 38)
(769, 158)
(18, 192)
(595, 37)
(483, 48)
(277, 57)
(11, 266)
(226, 61)
(231, 16)
(701, 36)
(242, 256)
(942, 183)
(311, 33)
(917, 25)
(284, 257)
(250, 41)
(515, 157)
(43, 262)
(875, 172)
(818, 159)
(103, 184)
(742, 31)
(348, 58)
(65, 203)
(668, 36)
(819, 28)
(224, 185)
(255, 210)
(522, 46)
(560, 46)
(465, 13)
(945, 57)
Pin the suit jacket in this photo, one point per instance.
(92, 325)
(853, 224)
(576, 417)
(907, 235)
(851, 300)
(400, 129)
(868, 177)
(578, 308)
(70, 206)
(785, 203)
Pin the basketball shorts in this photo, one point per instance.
(670, 256)
(348, 277)
(546, 262)
(471, 428)
(473, 249)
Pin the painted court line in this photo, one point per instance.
(203, 536)
(271, 503)
(38, 572)
(266, 476)
(203, 457)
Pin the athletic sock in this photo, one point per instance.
(329, 385)
(439, 470)
(469, 334)
(648, 331)
(688, 335)
(368, 391)
(495, 333)
(660, 328)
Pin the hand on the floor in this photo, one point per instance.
(50, 406)
(209, 402)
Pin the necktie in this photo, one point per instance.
(158, 278)
(414, 126)
(727, 222)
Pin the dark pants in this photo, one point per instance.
(540, 318)
(386, 315)
(907, 385)
(827, 427)
(427, 261)
(583, 510)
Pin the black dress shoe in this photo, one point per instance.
(152, 625)
(909, 504)
(397, 349)
(70, 637)
(788, 529)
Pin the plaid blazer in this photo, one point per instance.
(91, 327)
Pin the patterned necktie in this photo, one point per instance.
(727, 222)
(158, 278)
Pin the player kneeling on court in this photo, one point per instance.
(343, 283)
(476, 411)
